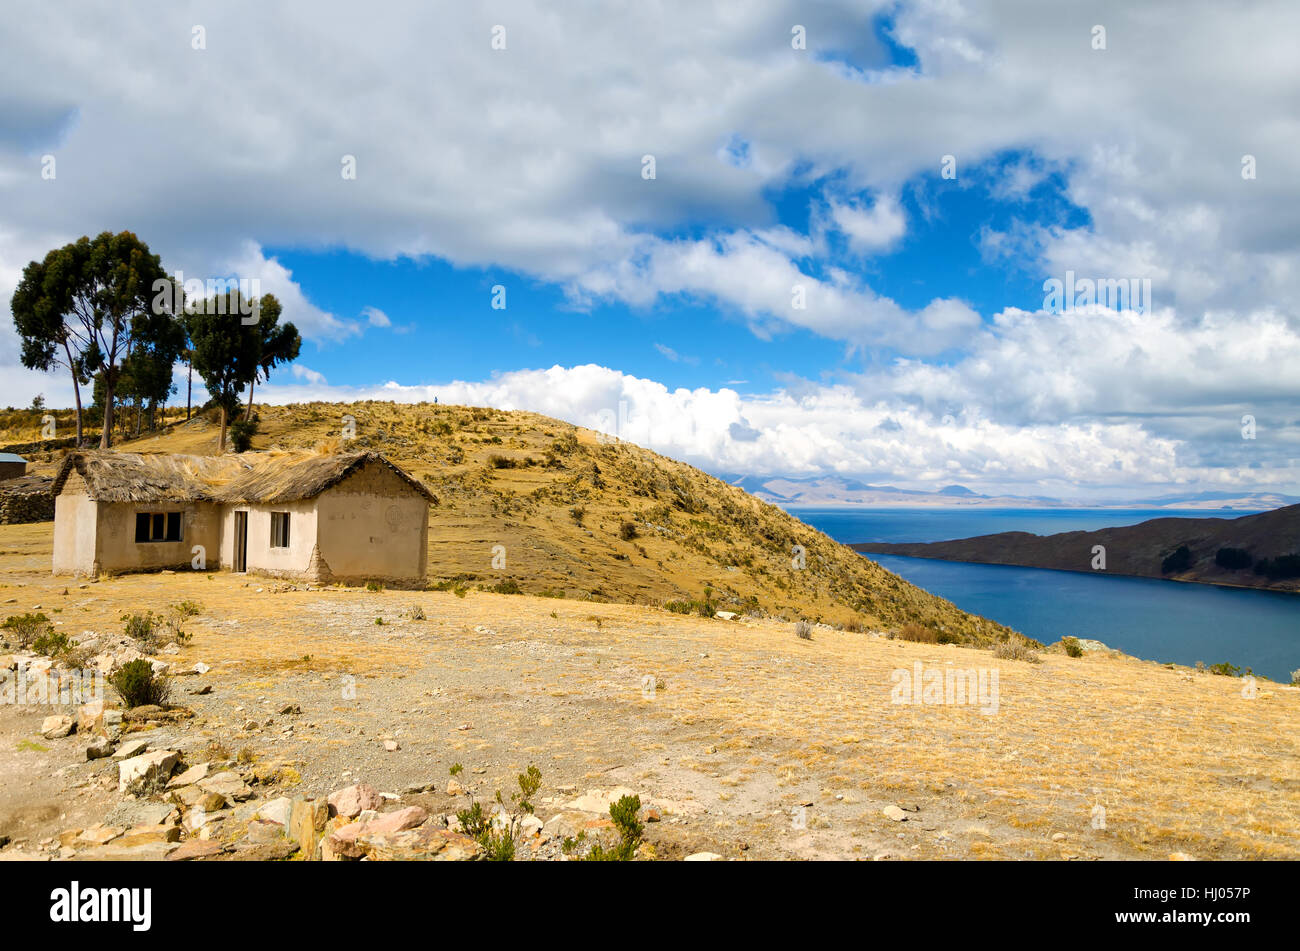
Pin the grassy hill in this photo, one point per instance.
(579, 516)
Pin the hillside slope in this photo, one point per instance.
(1135, 549)
(532, 504)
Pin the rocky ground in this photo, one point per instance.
(344, 723)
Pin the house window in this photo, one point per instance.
(279, 529)
(157, 526)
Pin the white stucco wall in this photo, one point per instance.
(373, 526)
(75, 522)
(290, 562)
(118, 550)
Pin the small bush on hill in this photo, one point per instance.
(630, 828)
(1283, 566)
(1180, 560)
(24, 629)
(627, 531)
(52, 644)
(137, 685)
(242, 433)
(1072, 646)
(918, 633)
(1226, 669)
(1234, 559)
(1015, 650)
(803, 630)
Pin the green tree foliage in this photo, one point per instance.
(230, 352)
(226, 350)
(85, 307)
(1180, 560)
(1234, 559)
(277, 343)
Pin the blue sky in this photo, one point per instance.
(911, 172)
(443, 326)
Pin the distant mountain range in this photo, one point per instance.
(834, 490)
(1210, 550)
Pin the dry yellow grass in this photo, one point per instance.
(748, 721)
(692, 532)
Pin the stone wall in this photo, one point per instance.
(26, 499)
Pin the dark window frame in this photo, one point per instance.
(159, 527)
(279, 530)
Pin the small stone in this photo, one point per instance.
(391, 746)
(100, 747)
(1181, 857)
(57, 726)
(702, 857)
(277, 810)
(350, 802)
(195, 849)
(212, 802)
(893, 812)
(131, 748)
(289, 709)
(189, 777)
(454, 788)
(228, 784)
(148, 769)
(90, 717)
(1058, 837)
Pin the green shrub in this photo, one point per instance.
(27, 628)
(1072, 646)
(627, 530)
(1226, 669)
(803, 630)
(509, 586)
(146, 629)
(242, 433)
(136, 684)
(52, 644)
(625, 815)
(501, 462)
(577, 513)
(1295, 678)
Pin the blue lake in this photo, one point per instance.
(1157, 620)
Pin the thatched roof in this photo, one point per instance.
(248, 477)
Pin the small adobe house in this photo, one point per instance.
(349, 517)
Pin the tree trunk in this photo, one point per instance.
(189, 387)
(249, 414)
(221, 440)
(76, 389)
(110, 372)
(106, 437)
